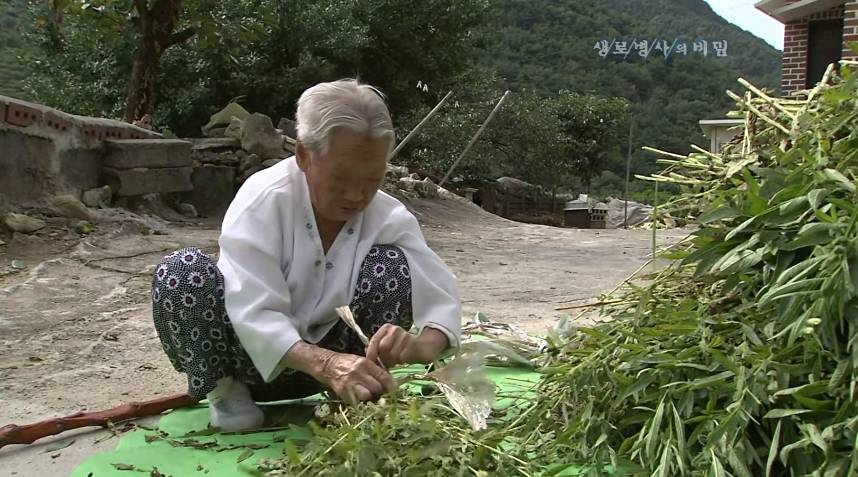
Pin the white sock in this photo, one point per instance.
(231, 407)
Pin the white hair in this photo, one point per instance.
(341, 104)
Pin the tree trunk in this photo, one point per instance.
(155, 35)
(140, 99)
(554, 199)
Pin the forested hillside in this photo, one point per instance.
(548, 46)
(13, 70)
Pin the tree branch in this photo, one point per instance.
(504, 148)
(144, 16)
(179, 37)
(142, 8)
(498, 143)
(13, 434)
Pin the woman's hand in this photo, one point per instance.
(393, 345)
(355, 378)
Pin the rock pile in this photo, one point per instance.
(239, 144)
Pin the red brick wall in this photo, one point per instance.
(850, 29)
(795, 43)
(794, 70)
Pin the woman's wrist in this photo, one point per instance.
(308, 359)
(432, 343)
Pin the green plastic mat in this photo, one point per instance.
(133, 450)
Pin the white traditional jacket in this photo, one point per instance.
(279, 285)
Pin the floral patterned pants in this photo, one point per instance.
(198, 337)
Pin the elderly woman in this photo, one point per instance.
(300, 239)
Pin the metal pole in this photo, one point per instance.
(474, 139)
(417, 128)
(628, 173)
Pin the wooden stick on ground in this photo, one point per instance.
(29, 433)
(589, 305)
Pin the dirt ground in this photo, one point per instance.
(75, 323)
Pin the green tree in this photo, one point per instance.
(266, 53)
(591, 130)
(14, 51)
(154, 26)
(541, 140)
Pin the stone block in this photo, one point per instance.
(147, 153)
(98, 198)
(234, 129)
(426, 189)
(249, 161)
(69, 206)
(395, 173)
(215, 143)
(188, 210)
(232, 159)
(214, 188)
(225, 115)
(259, 137)
(141, 181)
(23, 223)
(288, 127)
(216, 132)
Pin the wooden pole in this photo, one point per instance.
(474, 139)
(29, 433)
(628, 171)
(418, 127)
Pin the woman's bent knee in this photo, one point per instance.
(186, 260)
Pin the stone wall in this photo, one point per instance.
(45, 152)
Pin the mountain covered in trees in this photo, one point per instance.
(13, 69)
(548, 46)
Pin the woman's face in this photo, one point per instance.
(344, 180)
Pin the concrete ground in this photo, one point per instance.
(76, 333)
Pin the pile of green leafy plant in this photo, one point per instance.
(739, 359)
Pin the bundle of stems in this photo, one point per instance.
(739, 359)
